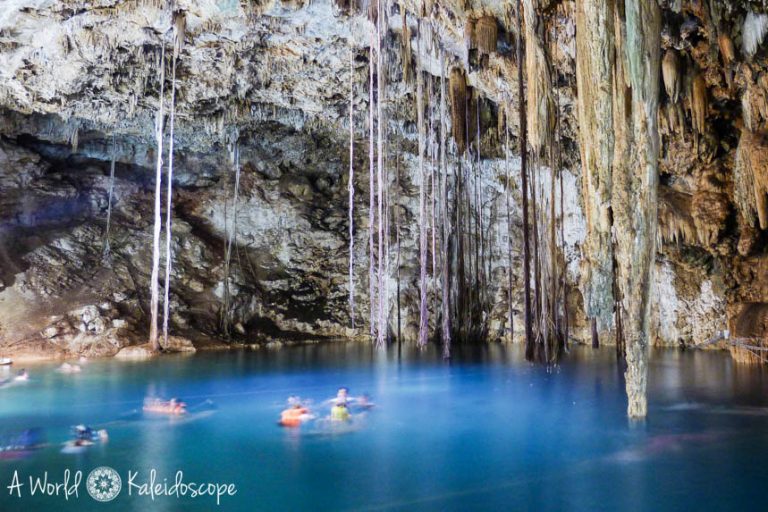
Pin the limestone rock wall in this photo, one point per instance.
(76, 75)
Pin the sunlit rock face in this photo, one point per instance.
(76, 76)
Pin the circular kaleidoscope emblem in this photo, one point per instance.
(103, 484)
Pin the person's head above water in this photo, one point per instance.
(343, 391)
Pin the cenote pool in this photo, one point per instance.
(486, 432)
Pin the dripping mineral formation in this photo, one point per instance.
(416, 171)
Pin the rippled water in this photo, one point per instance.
(485, 432)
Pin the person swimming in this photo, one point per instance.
(69, 368)
(172, 407)
(295, 415)
(342, 397)
(364, 401)
(88, 434)
(22, 375)
(340, 412)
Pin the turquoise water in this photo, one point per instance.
(485, 432)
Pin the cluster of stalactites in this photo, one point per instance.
(753, 32)
(751, 164)
(684, 80)
(751, 177)
(676, 223)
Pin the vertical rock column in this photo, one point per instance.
(618, 58)
(594, 75)
(635, 181)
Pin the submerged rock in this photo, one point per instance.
(136, 352)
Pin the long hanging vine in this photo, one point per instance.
(529, 341)
(234, 155)
(105, 246)
(507, 194)
(371, 197)
(178, 40)
(154, 295)
(445, 218)
(351, 191)
(423, 312)
(383, 306)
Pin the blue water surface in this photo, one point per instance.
(486, 431)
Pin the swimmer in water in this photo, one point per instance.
(340, 412)
(364, 402)
(342, 397)
(295, 415)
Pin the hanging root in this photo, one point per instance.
(459, 95)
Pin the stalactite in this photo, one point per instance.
(595, 55)
(423, 313)
(728, 54)
(405, 49)
(540, 103)
(458, 89)
(169, 196)
(159, 122)
(105, 246)
(486, 34)
(699, 104)
(351, 189)
(635, 186)
(74, 138)
(470, 42)
(751, 177)
(753, 32)
(676, 222)
(671, 72)
(446, 227)
(179, 32)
